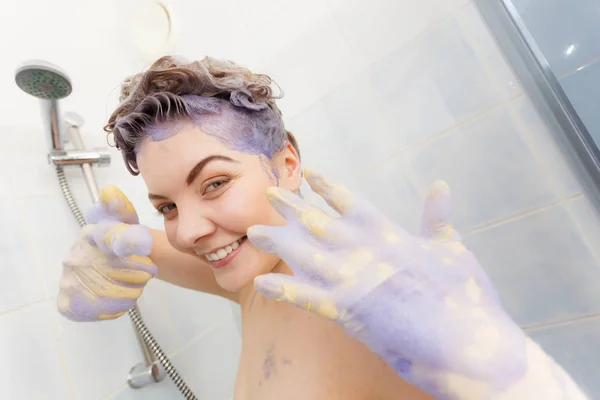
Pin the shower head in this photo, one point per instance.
(48, 83)
(43, 80)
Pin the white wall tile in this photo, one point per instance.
(99, 354)
(489, 168)
(32, 366)
(435, 83)
(491, 57)
(543, 143)
(541, 266)
(310, 66)
(21, 281)
(378, 27)
(53, 230)
(345, 126)
(208, 378)
(195, 312)
(391, 187)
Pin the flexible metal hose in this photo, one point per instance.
(133, 313)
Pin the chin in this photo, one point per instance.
(249, 264)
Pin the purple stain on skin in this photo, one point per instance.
(276, 175)
(269, 365)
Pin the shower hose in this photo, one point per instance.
(133, 313)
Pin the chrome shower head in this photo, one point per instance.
(49, 83)
(43, 80)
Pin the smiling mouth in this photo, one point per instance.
(223, 252)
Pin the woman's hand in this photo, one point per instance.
(422, 303)
(107, 268)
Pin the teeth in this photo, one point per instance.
(222, 253)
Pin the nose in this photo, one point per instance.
(192, 227)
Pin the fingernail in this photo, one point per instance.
(260, 238)
(439, 187)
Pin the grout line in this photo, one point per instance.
(21, 307)
(115, 392)
(561, 322)
(62, 355)
(523, 214)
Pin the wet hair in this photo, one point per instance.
(226, 100)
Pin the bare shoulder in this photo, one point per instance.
(296, 355)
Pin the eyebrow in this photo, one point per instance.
(194, 172)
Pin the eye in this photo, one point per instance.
(215, 185)
(166, 208)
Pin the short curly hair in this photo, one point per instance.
(226, 100)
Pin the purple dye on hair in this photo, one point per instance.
(240, 124)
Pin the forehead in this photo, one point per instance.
(166, 162)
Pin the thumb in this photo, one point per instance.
(117, 205)
(436, 221)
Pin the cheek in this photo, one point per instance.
(246, 206)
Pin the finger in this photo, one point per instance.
(293, 208)
(94, 282)
(85, 253)
(436, 221)
(121, 240)
(294, 249)
(133, 270)
(338, 197)
(98, 213)
(118, 205)
(288, 288)
(80, 308)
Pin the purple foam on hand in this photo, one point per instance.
(107, 268)
(423, 304)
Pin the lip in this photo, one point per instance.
(224, 261)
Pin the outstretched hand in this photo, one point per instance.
(422, 303)
(107, 268)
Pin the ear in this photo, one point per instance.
(288, 165)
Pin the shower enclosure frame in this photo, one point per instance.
(543, 88)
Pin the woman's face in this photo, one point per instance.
(210, 195)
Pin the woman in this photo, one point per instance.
(208, 140)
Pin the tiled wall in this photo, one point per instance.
(384, 96)
(568, 36)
